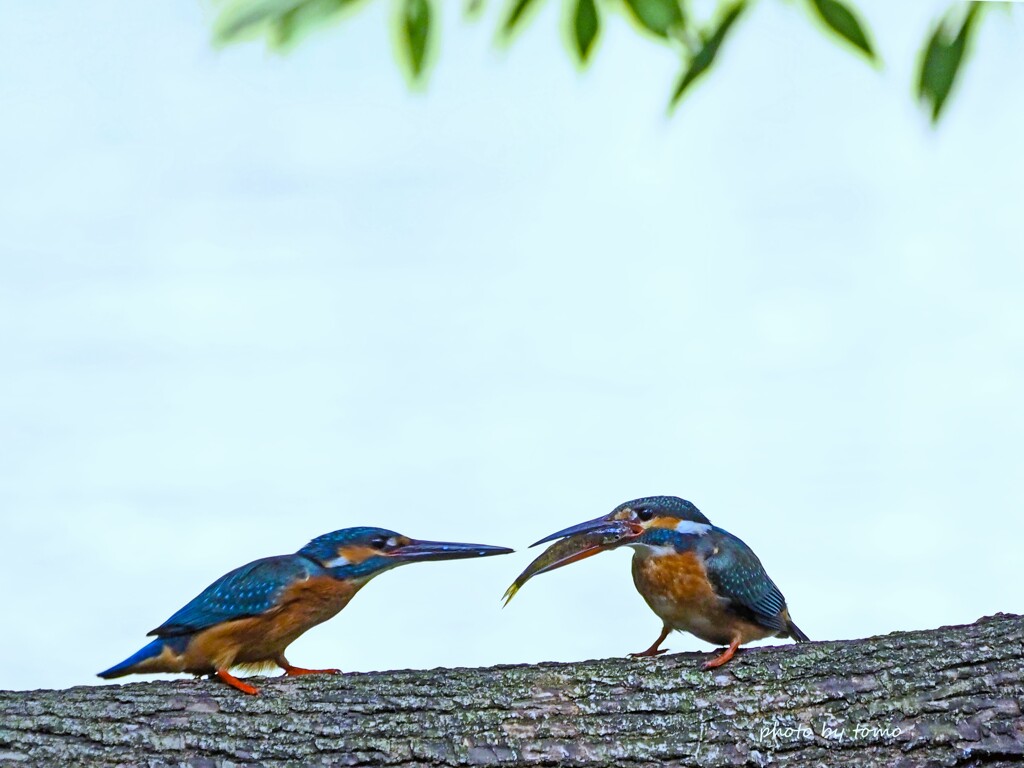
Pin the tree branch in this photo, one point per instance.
(952, 696)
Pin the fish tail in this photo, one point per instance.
(509, 594)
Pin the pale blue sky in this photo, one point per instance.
(246, 299)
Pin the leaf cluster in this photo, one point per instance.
(667, 22)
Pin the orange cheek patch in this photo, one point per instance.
(357, 554)
(664, 522)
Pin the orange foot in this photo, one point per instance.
(727, 654)
(291, 671)
(234, 682)
(653, 650)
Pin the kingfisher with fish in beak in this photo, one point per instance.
(695, 576)
(249, 616)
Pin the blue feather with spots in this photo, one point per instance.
(250, 590)
(736, 573)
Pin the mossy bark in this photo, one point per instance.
(946, 697)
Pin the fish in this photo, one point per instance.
(570, 550)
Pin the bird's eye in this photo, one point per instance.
(379, 542)
(644, 514)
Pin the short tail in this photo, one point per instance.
(796, 633)
(128, 666)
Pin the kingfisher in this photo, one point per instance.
(249, 616)
(695, 576)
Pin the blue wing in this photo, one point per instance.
(737, 574)
(247, 591)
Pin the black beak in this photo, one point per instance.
(597, 524)
(422, 551)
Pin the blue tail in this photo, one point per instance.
(152, 650)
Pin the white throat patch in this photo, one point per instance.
(692, 529)
(651, 550)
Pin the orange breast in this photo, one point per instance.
(676, 587)
(671, 583)
(257, 640)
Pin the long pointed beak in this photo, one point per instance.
(591, 525)
(417, 551)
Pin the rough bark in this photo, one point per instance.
(951, 696)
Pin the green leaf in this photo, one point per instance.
(294, 23)
(245, 18)
(515, 15)
(844, 22)
(659, 16)
(942, 59)
(705, 57)
(585, 25)
(283, 21)
(416, 33)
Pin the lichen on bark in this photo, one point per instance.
(951, 696)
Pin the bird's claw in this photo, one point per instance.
(234, 682)
(650, 653)
(295, 671)
(723, 657)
